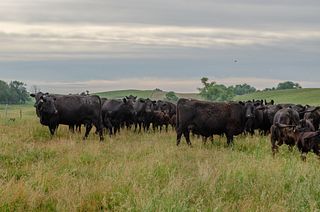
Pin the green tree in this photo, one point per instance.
(215, 92)
(18, 92)
(171, 96)
(288, 85)
(14, 93)
(4, 92)
(244, 89)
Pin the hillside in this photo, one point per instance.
(152, 94)
(304, 96)
(309, 96)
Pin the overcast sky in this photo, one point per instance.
(68, 46)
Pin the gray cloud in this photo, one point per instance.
(62, 41)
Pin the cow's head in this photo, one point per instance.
(290, 132)
(127, 106)
(150, 105)
(46, 106)
(249, 108)
(38, 100)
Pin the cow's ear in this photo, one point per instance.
(241, 103)
(272, 102)
(124, 100)
(154, 102)
(33, 95)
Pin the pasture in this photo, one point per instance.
(152, 94)
(147, 172)
(296, 96)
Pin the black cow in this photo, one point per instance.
(208, 118)
(160, 119)
(285, 116)
(307, 125)
(313, 114)
(69, 110)
(167, 107)
(144, 109)
(304, 139)
(116, 113)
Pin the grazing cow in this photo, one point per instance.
(167, 107)
(144, 113)
(208, 118)
(304, 139)
(299, 108)
(159, 119)
(117, 112)
(313, 114)
(173, 121)
(306, 125)
(269, 113)
(285, 116)
(69, 110)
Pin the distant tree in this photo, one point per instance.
(288, 85)
(158, 90)
(215, 92)
(171, 96)
(244, 89)
(13, 93)
(18, 92)
(4, 92)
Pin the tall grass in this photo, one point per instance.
(148, 172)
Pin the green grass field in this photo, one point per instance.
(147, 172)
(152, 94)
(304, 96)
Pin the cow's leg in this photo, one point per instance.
(52, 129)
(79, 128)
(229, 139)
(179, 135)
(71, 128)
(211, 139)
(204, 140)
(187, 136)
(88, 129)
(304, 156)
(274, 146)
(99, 130)
(290, 147)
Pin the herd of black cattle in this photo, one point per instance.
(291, 124)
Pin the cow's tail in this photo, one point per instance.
(179, 104)
(177, 117)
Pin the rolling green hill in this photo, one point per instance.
(152, 94)
(309, 96)
(304, 96)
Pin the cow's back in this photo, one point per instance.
(207, 118)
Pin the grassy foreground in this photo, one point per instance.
(148, 172)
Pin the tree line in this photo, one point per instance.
(218, 92)
(14, 92)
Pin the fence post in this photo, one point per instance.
(6, 111)
(20, 114)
